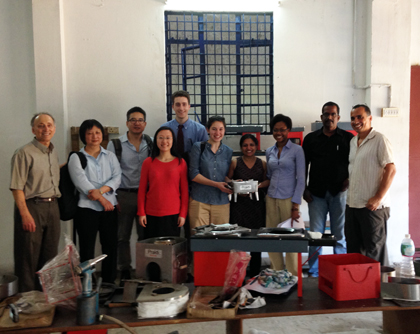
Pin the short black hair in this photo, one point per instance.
(180, 93)
(213, 119)
(156, 150)
(331, 104)
(281, 118)
(135, 109)
(367, 109)
(39, 114)
(87, 125)
(248, 136)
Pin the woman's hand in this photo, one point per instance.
(143, 221)
(181, 221)
(222, 186)
(106, 204)
(94, 194)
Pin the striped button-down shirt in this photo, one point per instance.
(366, 168)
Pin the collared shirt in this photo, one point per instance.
(101, 171)
(36, 171)
(193, 132)
(131, 161)
(328, 157)
(215, 167)
(366, 168)
(287, 173)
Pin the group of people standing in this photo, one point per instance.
(181, 179)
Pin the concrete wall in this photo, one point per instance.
(109, 56)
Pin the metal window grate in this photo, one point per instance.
(225, 62)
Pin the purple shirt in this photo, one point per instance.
(287, 174)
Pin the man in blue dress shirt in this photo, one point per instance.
(186, 130)
(134, 150)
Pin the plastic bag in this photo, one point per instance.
(60, 283)
(235, 272)
(33, 302)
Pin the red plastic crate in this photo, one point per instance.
(349, 276)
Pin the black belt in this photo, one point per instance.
(129, 190)
(44, 199)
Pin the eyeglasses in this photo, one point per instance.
(134, 120)
(280, 130)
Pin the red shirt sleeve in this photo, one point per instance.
(184, 189)
(144, 180)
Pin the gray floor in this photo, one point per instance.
(342, 323)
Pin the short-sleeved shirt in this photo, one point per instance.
(104, 170)
(36, 171)
(193, 132)
(366, 169)
(215, 167)
(328, 157)
(131, 161)
(287, 173)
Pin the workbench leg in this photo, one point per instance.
(400, 322)
(234, 326)
(299, 274)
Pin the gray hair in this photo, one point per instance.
(39, 114)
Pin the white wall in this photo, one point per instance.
(415, 32)
(17, 104)
(113, 59)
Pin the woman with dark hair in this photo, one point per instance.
(209, 166)
(96, 184)
(245, 211)
(163, 188)
(286, 172)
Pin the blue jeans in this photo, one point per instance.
(318, 209)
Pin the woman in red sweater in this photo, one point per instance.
(163, 189)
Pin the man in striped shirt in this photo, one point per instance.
(371, 171)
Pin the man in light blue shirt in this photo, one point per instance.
(131, 149)
(191, 131)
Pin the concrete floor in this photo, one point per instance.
(343, 323)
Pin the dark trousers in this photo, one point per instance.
(164, 226)
(33, 249)
(126, 216)
(366, 232)
(88, 223)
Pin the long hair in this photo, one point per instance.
(156, 150)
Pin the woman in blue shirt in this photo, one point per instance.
(286, 172)
(209, 166)
(96, 184)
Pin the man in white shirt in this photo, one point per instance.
(371, 171)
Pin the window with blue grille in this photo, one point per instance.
(225, 62)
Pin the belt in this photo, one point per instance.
(44, 199)
(129, 190)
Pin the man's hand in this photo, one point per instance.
(94, 194)
(106, 204)
(307, 196)
(28, 223)
(295, 215)
(373, 203)
(345, 185)
(223, 187)
(181, 221)
(143, 221)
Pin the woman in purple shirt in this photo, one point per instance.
(286, 172)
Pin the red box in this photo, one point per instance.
(349, 276)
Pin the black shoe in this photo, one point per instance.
(125, 274)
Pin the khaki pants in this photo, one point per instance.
(277, 211)
(204, 214)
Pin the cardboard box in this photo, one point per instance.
(202, 295)
(349, 276)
